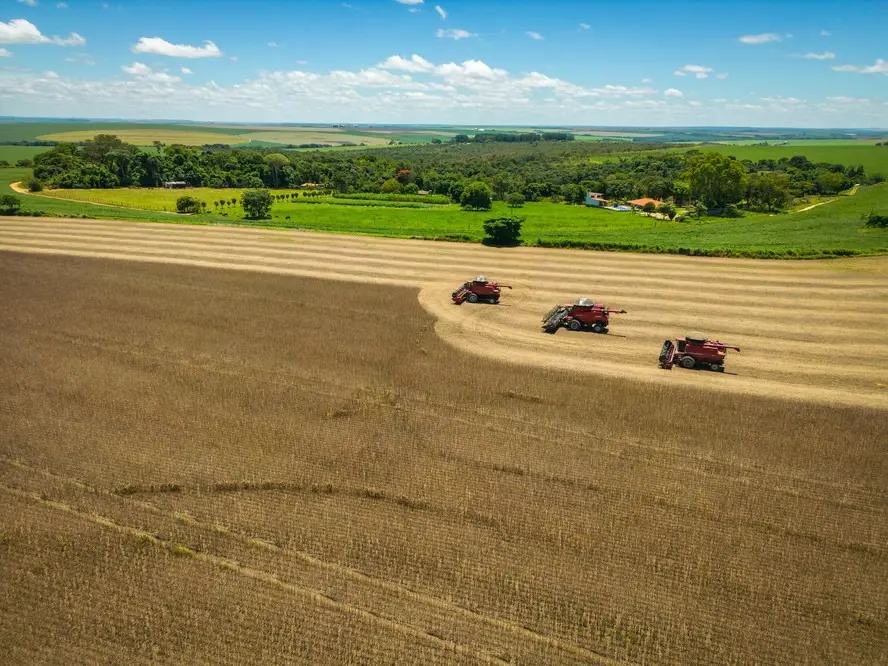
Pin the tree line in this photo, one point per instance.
(555, 170)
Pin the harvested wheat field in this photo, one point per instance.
(223, 466)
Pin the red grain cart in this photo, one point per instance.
(584, 314)
(479, 289)
(695, 350)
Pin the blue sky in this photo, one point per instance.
(782, 63)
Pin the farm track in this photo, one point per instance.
(791, 319)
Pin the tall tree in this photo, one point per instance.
(476, 196)
(768, 190)
(276, 162)
(715, 179)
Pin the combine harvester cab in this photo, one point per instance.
(584, 314)
(479, 289)
(695, 350)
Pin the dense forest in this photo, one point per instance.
(562, 170)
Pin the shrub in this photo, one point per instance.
(34, 185)
(503, 231)
(700, 209)
(9, 204)
(515, 200)
(667, 210)
(256, 203)
(731, 210)
(649, 207)
(877, 221)
(391, 186)
(186, 204)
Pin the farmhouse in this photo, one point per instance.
(595, 199)
(641, 203)
(173, 184)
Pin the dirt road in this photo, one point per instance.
(807, 330)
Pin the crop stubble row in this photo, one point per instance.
(585, 508)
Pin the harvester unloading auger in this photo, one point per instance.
(695, 350)
(577, 316)
(479, 289)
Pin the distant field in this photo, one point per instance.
(14, 153)
(145, 137)
(873, 158)
(332, 137)
(158, 199)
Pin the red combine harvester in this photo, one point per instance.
(479, 289)
(577, 316)
(695, 350)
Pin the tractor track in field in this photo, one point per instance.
(791, 319)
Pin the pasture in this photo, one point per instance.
(201, 475)
(14, 153)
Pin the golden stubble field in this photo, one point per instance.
(217, 466)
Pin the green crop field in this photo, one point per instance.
(158, 199)
(874, 159)
(145, 137)
(14, 153)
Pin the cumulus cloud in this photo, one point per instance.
(20, 31)
(142, 71)
(879, 67)
(415, 64)
(534, 35)
(584, 26)
(673, 92)
(441, 12)
(185, 70)
(5, 53)
(647, 80)
(699, 71)
(158, 46)
(763, 38)
(273, 45)
(454, 33)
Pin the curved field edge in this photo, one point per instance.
(834, 230)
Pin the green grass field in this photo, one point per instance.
(157, 199)
(834, 226)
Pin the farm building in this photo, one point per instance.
(641, 203)
(595, 199)
(173, 184)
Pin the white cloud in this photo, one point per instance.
(534, 35)
(721, 75)
(673, 92)
(584, 26)
(849, 100)
(441, 12)
(763, 38)
(825, 33)
(62, 5)
(158, 46)
(826, 55)
(30, 3)
(415, 64)
(694, 102)
(20, 31)
(699, 71)
(5, 53)
(273, 45)
(80, 60)
(185, 70)
(233, 58)
(879, 67)
(410, 2)
(413, 10)
(647, 80)
(144, 72)
(454, 33)
(780, 99)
